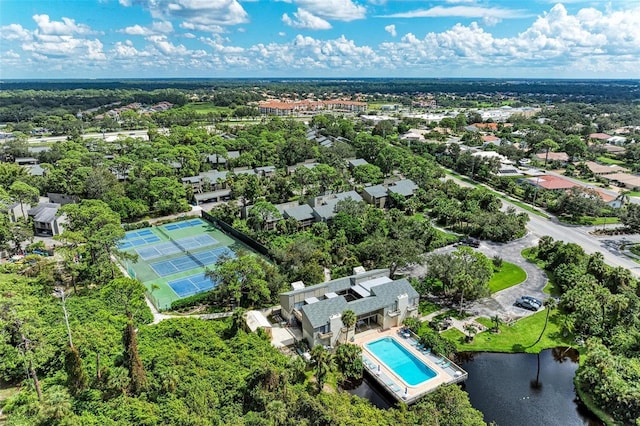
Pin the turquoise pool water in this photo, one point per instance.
(399, 360)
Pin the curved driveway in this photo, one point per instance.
(502, 302)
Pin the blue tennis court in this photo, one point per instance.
(184, 224)
(191, 285)
(137, 234)
(127, 244)
(180, 245)
(193, 261)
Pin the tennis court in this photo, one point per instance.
(124, 245)
(182, 225)
(190, 261)
(173, 258)
(175, 246)
(193, 284)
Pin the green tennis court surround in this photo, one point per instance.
(173, 258)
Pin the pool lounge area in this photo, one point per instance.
(406, 370)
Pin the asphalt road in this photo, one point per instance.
(539, 226)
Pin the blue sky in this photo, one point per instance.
(319, 38)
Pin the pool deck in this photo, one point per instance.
(447, 372)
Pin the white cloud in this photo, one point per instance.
(461, 12)
(391, 29)
(305, 20)
(65, 27)
(166, 47)
(195, 14)
(157, 27)
(334, 10)
(15, 32)
(282, 34)
(556, 40)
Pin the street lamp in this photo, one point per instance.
(59, 293)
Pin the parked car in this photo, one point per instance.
(526, 304)
(471, 242)
(533, 300)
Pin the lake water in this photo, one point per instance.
(526, 389)
(510, 389)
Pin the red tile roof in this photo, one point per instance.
(552, 182)
(553, 156)
(601, 136)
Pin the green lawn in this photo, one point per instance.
(607, 160)
(508, 276)
(207, 107)
(517, 337)
(590, 220)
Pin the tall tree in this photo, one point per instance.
(549, 305)
(322, 363)
(348, 320)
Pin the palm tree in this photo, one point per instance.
(323, 361)
(623, 197)
(496, 322)
(471, 331)
(348, 320)
(549, 304)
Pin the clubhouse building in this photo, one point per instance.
(377, 301)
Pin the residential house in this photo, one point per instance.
(47, 221)
(378, 195)
(356, 162)
(604, 169)
(217, 160)
(562, 157)
(376, 300)
(303, 214)
(324, 207)
(624, 180)
(551, 183)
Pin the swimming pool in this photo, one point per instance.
(400, 361)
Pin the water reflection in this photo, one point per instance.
(526, 389)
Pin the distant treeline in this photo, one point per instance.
(585, 90)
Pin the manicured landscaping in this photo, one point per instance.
(509, 275)
(517, 337)
(590, 220)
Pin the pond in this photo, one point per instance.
(514, 389)
(526, 389)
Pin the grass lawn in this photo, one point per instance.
(207, 107)
(590, 220)
(607, 160)
(517, 337)
(508, 276)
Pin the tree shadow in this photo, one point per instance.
(517, 347)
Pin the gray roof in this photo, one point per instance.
(36, 170)
(404, 187)
(266, 169)
(340, 284)
(213, 194)
(382, 295)
(318, 313)
(299, 213)
(214, 175)
(358, 162)
(44, 212)
(325, 206)
(376, 191)
(191, 179)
